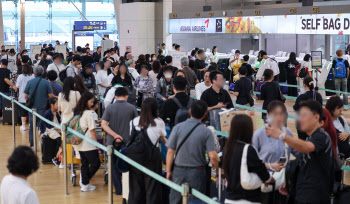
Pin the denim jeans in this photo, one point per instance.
(342, 82)
(41, 112)
(5, 93)
(196, 178)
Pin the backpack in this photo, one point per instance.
(302, 72)
(182, 113)
(340, 69)
(74, 123)
(140, 148)
(297, 70)
(63, 74)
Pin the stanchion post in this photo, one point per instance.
(34, 132)
(186, 193)
(110, 183)
(64, 149)
(13, 123)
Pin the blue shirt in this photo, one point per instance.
(42, 92)
(56, 88)
(268, 148)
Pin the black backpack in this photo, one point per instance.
(182, 113)
(63, 74)
(302, 72)
(140, 148)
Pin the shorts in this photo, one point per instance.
(22, 111)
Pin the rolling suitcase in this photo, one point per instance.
(329, 84)
(7, 112)
(48, 147)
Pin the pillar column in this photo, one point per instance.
(117, 15)
(262, 43)
(23, 26)
(162, 35)
(1, 27)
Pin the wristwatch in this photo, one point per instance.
(282, 136)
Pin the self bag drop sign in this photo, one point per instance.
(286, 24)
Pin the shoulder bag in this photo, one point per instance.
(249, 181)
(182, 142)
(30, 100)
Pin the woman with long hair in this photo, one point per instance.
(115, 68)
(214, 52)
(123, 78)
(154, 72)
(67, 99)
(79, 84)
(102, 77)
(21, 83)
(241, 133)
(306, 63)
(289, 66)
(90, 161)
(153, 58)
(143, 188)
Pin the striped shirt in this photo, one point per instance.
(337, 124)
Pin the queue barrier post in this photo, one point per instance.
(13, 123)
(63, 130)
(186, 193)
(34, 132)
(110, 183)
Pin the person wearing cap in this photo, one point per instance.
(268, 63)
(57, 65)
(164, 50)
(235, 62)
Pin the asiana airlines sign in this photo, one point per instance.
(282, 24)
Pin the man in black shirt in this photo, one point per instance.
(243, 88)
(85, 58)
(97, 55)
(5, 82)
(216, 97)
(250, 70)
(170, 107)
(199, 65)
(169, 63)
(316, 163)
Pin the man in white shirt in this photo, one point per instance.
(165, 51)
(115, 55)
(268, 63)
(57, 65)
(11, 58)
(201, 87)
(14, 187)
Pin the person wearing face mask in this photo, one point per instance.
(164, 86)
(144, 85)
(74, 66)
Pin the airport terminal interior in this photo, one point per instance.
(76, 76)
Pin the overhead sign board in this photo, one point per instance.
(90, 25)
(281, 24)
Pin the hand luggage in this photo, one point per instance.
(7, 112)
(48, 148)
(258, 87)
(329, 84)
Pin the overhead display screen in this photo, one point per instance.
(286, 24)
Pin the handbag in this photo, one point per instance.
(278, 176)
(249, 181)
(30, 100)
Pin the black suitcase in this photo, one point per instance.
(283, 73)
(342, 197)
(48, 149)
(329, 84)
(7, 112)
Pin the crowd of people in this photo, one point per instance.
(186, 99)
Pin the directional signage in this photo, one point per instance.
(90, 25)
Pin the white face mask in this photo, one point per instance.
(168, 76)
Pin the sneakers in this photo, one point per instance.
(87, 187)
(23, 128)
(81, 181)
(56, 162)
(61, 166)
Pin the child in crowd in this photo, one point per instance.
(94, 109)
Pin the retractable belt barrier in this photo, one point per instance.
(150, 173)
